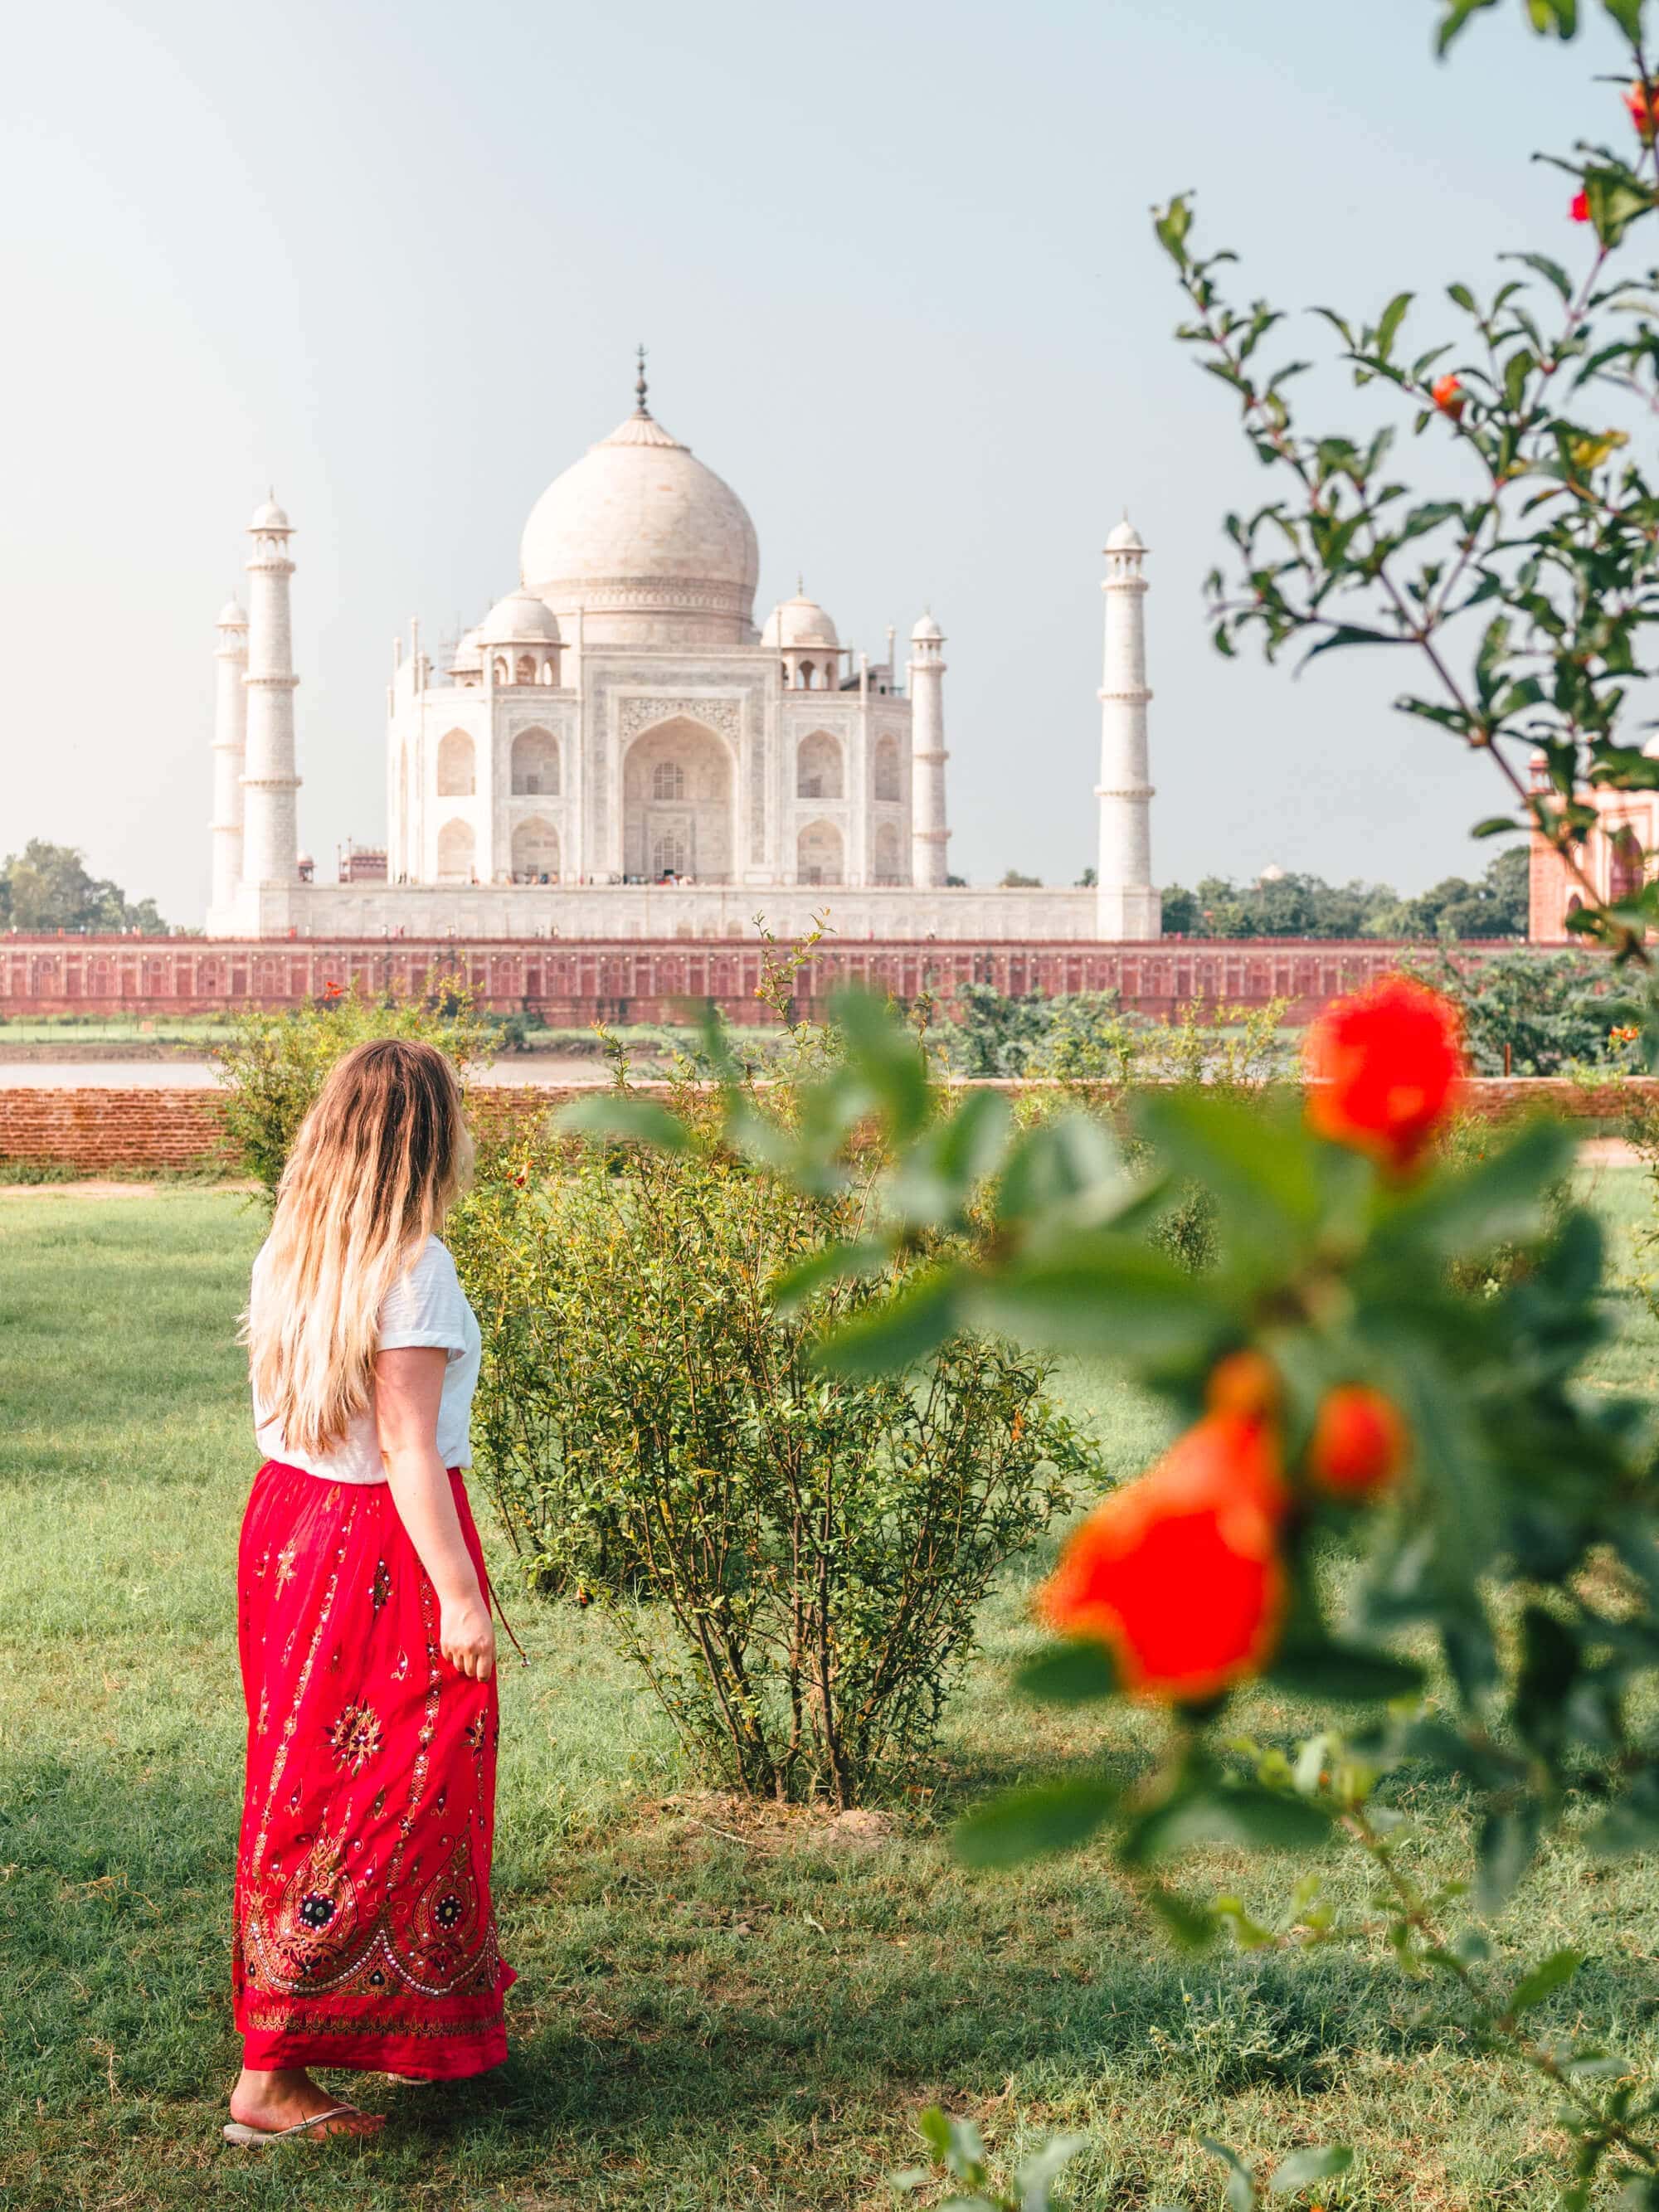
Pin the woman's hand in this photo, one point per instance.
(466, 1637)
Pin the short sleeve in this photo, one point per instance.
(426, 1306)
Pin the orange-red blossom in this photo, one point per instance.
(1179, 1573)
(1581, 206)
(1447, 393)
(1642, 100)
(1359, 1443)
(1385, 1069)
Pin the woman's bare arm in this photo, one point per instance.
(408, 1385)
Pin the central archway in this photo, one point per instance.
(679, 804)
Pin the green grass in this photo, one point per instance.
(720, 2009)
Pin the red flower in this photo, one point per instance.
(1179, 1573)
(1447, 393)
(1244, 1382)
(1385, 1070)
(1581, 206)
(333, 990)
(1642, 100)
(1359, 1443)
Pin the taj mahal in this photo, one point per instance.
(617, 751)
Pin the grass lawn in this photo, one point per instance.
(720, 2010)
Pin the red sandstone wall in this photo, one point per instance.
(97, 1130)
(572, 983)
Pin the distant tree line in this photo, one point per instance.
(47, 887)
(1494, 905)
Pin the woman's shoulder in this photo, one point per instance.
(431, 1269)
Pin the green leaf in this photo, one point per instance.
(1627, 14)
(1456, 18)
(937, 1178)
(1036, 2175)
(1544, 1979)
(1097, 1292)
(1240, 2194)
(627, 1121)
(1551, 271)
(1304, 2167)
(1349, 633)
(887, 1055)
(1632, 1823)
(1242, 1814)
(1076, 1673)
(1502, 1198)
(1497, 825)
(922, 1316)
(1263, 1173)
(1393, 316)
(1508, 1840)
(1346, 1671)
(1054, 1816)
(836, 1263)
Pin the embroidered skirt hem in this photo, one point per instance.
(365, 1936)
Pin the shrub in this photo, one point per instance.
(1548, 1011)
(272, 1064)
(794, 1560)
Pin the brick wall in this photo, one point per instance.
(572, 983)
(97, 1130)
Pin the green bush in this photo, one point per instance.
(794, 1560)
(272, 1064)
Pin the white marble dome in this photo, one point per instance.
(231, 615)
(518, 619)
(270, 517)
(925, 631)
(799, 622)
(467, 660)
(1125, 538)
(648, 544)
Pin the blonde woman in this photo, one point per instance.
(364, 1934)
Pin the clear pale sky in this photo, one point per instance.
(895, 269)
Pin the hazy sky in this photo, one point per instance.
(895, 269)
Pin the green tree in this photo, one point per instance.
(49, 887)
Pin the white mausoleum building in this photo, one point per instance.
(618, 750)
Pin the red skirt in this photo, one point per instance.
(364, 1932)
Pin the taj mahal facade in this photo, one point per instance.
(617, 751)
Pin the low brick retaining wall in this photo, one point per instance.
(95, 1130)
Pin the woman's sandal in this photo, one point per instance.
(239, 2132)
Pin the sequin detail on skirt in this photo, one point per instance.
(364, 1933)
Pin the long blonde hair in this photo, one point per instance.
(375, 1166)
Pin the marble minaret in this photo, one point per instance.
(1128, 907)
(270, 832)
(229, 746)
(928, 835)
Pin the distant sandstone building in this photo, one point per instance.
(1613, 856)
(617, 751)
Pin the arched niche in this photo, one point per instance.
(820, 855)
(679, 804)
(889, 860)
(457, 765)
(819, 773)
(457, 852)
(535, 851)
(885, 770)
(535, 764)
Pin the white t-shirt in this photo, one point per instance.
(425, 1306)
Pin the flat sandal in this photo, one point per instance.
(245, 2137)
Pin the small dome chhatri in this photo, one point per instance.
(1125, 538)
(518, 619)
(270, 516)
(800, 621)
(926, 632)
(231, 616)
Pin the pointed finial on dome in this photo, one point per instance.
(800, 583)
(639, 387)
